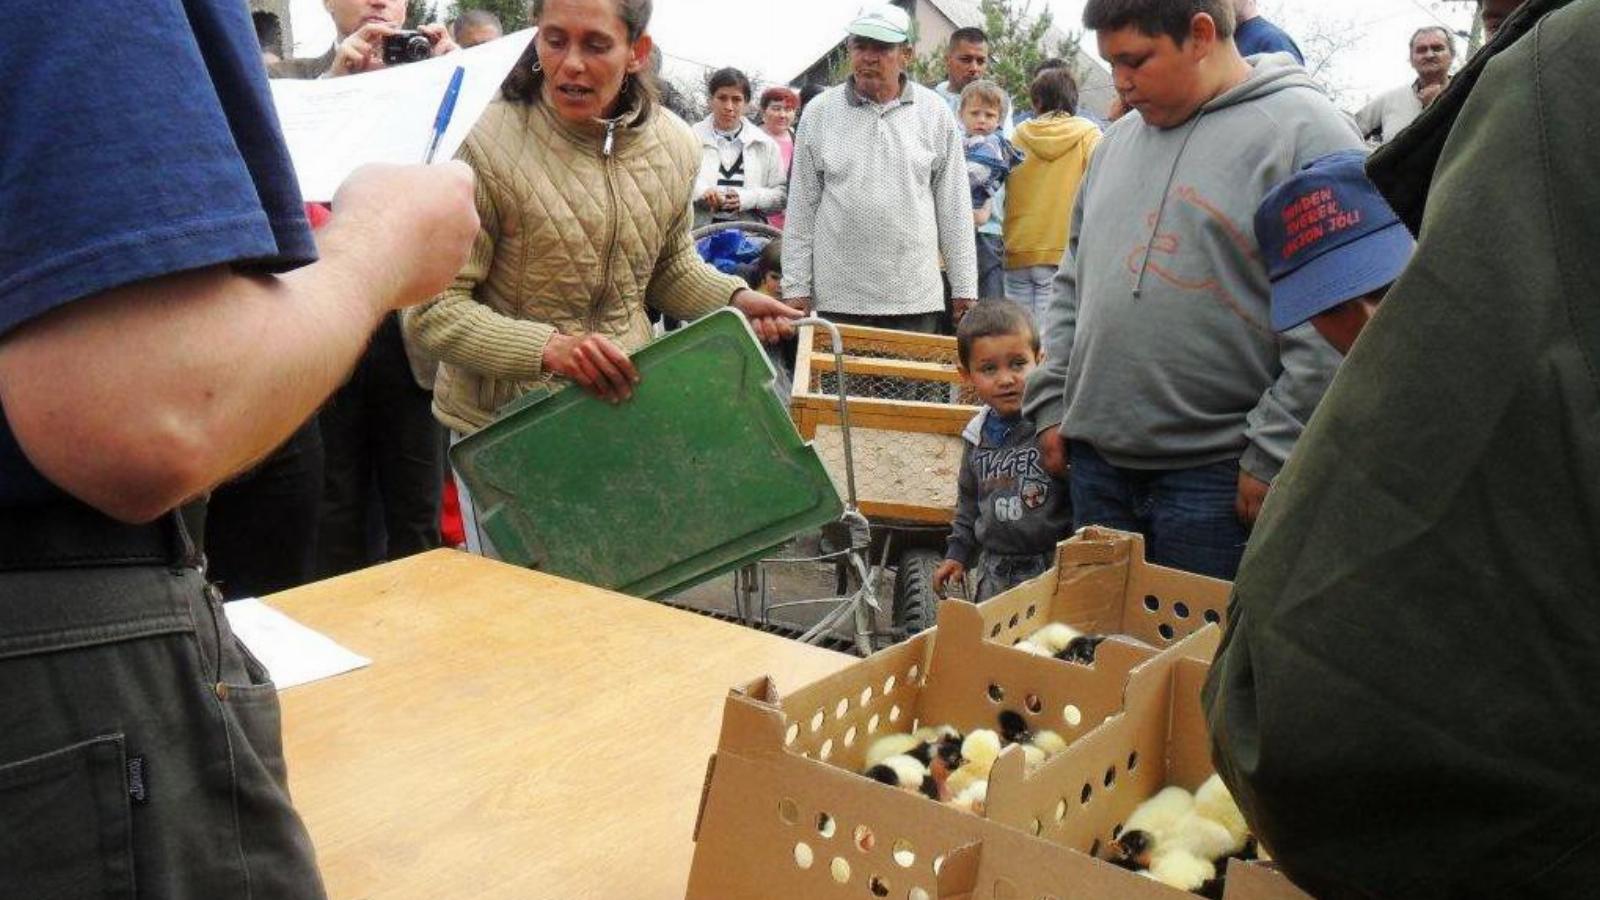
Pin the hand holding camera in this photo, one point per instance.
(378, 45)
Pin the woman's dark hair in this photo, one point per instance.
(729, 77)
(770, 261)
(1054, 91)
(640, 92)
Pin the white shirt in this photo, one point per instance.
(877, 194)
(1389, 113)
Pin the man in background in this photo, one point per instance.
(360, 27)
(878, 192)
(476, 26)
(1433, 53)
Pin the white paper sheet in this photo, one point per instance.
(335, 125)
(293, 653)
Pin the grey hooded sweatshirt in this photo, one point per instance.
(1160, 352)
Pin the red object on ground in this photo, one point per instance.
(451, 529)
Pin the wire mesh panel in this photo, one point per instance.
(928, 376)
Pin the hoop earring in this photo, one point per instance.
(535, 68)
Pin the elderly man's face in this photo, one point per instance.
(350, 15)
(478, 34)
(877, 67)
(1431, 56)
(965, 63)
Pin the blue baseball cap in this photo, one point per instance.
(1328, 236)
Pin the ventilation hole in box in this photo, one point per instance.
(791, 734)
(1166, 631)
(995, 631)
(1180, 609)
(802, 855)
(1005, 889)
(888, 684)
(1111, 776)
(878, 886)
(1033, 704)
(915, 724)
(865, 839)
(866, 696)
(1032, 611)
(1152, 602)
(905, 855)
(826, 751)
(918, 894)
(788, 812)
(1072, 715)
(872, 724)
(1133, 760)
(1035, 827)
(1014, 620)
(996, 692)
(841, 709)
(1083, 796)
(894, 713)
(840, 870)
(1061, 810)
(1116, 831)
(1015, 641)
(825, 825)
(850, 736)
(911, 676)
(1212, 616)
(816, 721)
(938, 863)
(1094, 848)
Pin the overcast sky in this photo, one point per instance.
(1373, 34)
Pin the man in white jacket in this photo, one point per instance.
(742, 177)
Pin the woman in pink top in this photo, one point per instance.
(778, 105)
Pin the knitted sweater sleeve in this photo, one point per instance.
(457, 329)
(683, 285)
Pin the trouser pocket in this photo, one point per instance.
(65, 823)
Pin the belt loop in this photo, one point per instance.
(186, 552)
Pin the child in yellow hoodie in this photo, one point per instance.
(1057, 144)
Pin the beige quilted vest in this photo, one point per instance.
(574, 239)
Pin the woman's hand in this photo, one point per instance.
(712, 200)
(595, 363)
(772, 319)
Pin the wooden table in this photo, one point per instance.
(517, 735)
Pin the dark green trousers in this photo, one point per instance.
(140, 749)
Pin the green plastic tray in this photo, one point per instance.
(700, 473)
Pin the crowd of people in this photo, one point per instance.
(1362, 386)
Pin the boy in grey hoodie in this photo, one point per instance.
(1010, 512)
(1175, 401)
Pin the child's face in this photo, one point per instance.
(771, 285)
(998, 367)
(979, 118)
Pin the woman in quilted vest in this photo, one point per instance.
(583, 191)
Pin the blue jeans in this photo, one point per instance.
(991, 266)
(1186, 515)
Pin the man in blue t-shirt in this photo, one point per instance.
(1254, 34)
(153, 342)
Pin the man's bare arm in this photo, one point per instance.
(141, 397)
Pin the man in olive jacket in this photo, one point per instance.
(1407, 702)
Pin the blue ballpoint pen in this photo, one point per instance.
(447, 108)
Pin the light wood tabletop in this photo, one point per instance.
(517, 735)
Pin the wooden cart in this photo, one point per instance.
(907, 408)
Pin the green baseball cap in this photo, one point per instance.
(882, 22)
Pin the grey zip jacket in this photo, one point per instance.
(1007, 503)
(1160, 353)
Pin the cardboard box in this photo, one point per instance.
(785, 813)
(1102, 584)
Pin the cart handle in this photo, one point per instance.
(844, 404)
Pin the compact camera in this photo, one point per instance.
(406, 47)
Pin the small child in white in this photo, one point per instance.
(1010, 512)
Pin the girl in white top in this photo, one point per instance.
(742, 175)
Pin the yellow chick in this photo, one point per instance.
(1181, 869)
(1054, 637)
(1160, 813)
(1050, 742)
(1213, 801)
(1200, 836)
(981, 748)
(973, 799)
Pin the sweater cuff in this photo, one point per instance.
(1260, 464)
(959, 552)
